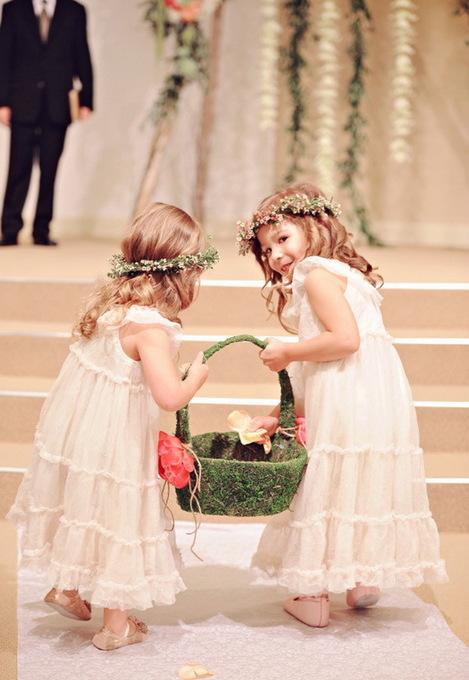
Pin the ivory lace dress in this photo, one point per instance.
(89, 507)
(361, 513)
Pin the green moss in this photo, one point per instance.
(241, 480)
(243, 488)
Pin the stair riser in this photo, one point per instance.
(239, 307)
(424, 364)
(441, 429)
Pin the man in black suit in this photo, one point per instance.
(43, 47)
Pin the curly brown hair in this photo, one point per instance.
(326, 237)
(160, 231)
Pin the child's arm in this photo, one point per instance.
(341, 338)
(151, 345)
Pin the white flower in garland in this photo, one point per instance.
(269, 53)
(403, 18)
(327, 93)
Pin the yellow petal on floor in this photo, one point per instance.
(192, 671)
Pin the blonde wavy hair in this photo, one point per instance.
(160, 231)
(326, 237)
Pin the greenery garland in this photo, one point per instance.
(189, 58)
(292, 63)
(462, 7)
(356, 121)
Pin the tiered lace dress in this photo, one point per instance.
(89, 507)
(361, 513)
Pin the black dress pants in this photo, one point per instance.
(44, 144)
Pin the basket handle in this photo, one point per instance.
(287, 407)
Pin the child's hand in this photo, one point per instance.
(274, 356)
(269, 423)
(198, 370)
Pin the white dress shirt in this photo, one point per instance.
(38, 6)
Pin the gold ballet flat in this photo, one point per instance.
(106, 640)
(73, 607)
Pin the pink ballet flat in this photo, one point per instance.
(362, 596)
(314, 611)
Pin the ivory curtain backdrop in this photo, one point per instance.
(423, 202)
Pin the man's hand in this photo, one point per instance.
(85, 113)
(5, 115)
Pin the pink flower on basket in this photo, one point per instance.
(301, 430)
(174, 463)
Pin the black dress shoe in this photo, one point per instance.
(8, 242)
(45, 242)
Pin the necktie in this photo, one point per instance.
(44, 23)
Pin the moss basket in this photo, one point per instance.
(240, 480)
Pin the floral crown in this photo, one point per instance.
(296, 204)
(206, 259)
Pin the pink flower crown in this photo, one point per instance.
(296, 204)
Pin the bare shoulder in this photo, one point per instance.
(138, 338)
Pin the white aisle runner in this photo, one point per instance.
(233, 624)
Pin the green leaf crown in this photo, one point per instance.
(296, 204)
(206, 259)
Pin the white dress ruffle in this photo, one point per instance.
(89, 507)
(361, 513)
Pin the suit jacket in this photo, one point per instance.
(35, 78)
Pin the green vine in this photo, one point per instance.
(292, 63)
(356, 122)
(189, 56)
(462, 7)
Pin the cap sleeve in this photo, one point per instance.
(148, 315)
(307, 265)
(353, 276)
(115, 318)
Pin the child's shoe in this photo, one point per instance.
(106, 640)
(314, 611)
(362, 596)
(73, 607)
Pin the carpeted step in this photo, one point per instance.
(443, 361)
(237, 303)
(443, 425)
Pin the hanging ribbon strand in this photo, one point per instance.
(268, 84)
(326, 95)
(403, 18)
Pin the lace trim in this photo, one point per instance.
(365, 519)
(97, 527)
(366, 569)
(172, 577)
(38, 553)
(60, 460)
(43, 509)
(357, 450)
(89, 365)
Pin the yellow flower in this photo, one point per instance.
(239, 421)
